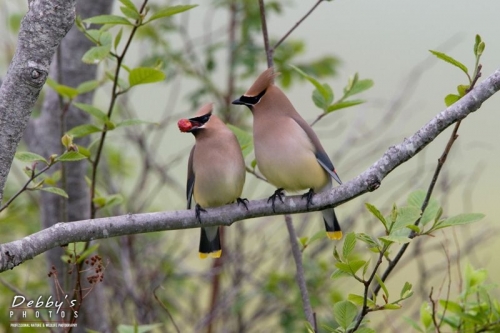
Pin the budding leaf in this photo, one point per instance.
(55, 190)
(25, 156)
(450, 60)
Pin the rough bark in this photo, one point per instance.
(15, 253)
(42, 29)
(44, 137)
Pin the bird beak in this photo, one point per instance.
(238, 102)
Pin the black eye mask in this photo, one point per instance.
(249, 100)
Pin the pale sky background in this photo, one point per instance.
(384, 40)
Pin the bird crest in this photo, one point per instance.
(263, 82)
(207, 108)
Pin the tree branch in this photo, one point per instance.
(16, 252)
(42, 29)
(300, 276)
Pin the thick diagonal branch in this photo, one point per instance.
(16, 252)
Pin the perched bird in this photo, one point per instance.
(216, 171)
(287, 150)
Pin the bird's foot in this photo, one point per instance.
(277, 194)
(242, 201)
(309, 196)
(198, 210)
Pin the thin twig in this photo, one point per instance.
(114, 95)
(269, 52)
(295, 26)
(412, 235)
(25, 187)
(253, 172)
(166, 310)
(434, 314)
(367, 283)
(300, 276)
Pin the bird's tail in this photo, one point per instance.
(332, 225)
(210, 243)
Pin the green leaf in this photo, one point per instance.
(143, 75)
(405, 292)
(169, 11)
(355, 265)
(99, 201)
(451, 306)
(254, 163)
(374, 210)
(416, 199)
(343, 105)
(413, 228)
(343, 267)
(323, 89)
(55, 190)
(480, 49)
(363, 329)
(25, 156)
(319, 100)
(93, 111)
(349, 244)
(359, 86)
(66, 91)
(462, 89)
(71, 156)
(391, 307)
(62, 90)
(134, 121)
(323, 96)
(382, 285)
(372, 243)
(129, 4)
(476, 44)
(450, 60)
(114, 199)
(451, 99)
(83, 130)
(133, 14)
(87, 252)
(413, 324)
(137, 328)
(459, 220)
(105, 38)
(344, 313)
(318, 235)
(87, 86)
(244, 139)
(96, 54)
(474, 277)
(118, 38)
(425, 315)
(338, 274)
(108, 19)
(395, 239)
(406, 215)
(359, 300)
(84, 151)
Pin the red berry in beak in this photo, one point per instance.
(184, 125)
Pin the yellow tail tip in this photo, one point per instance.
(216, 254)
(335, 235)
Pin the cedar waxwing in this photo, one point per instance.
(287, 150)
(216, 171)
